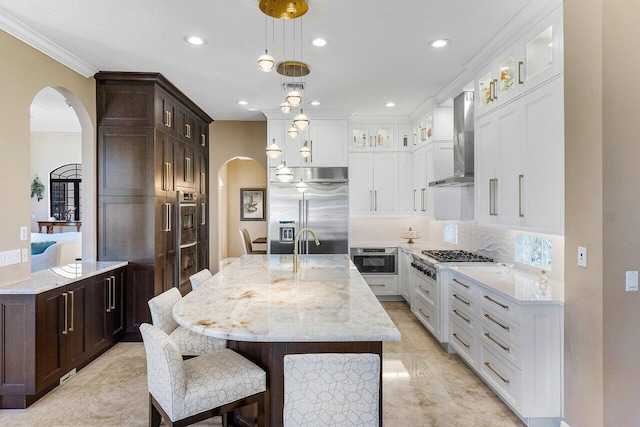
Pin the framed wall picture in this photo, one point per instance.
(252, 204)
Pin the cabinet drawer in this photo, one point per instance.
(427, 292)
(502, 376)
(461, 315)
(464, 342)
(425, 314)
(383, 285)
(463, 299)
(462, 286)
(499, 304)
(504, 347)
(501, 325)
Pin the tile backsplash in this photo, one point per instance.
(497, 243)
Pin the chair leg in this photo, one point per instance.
(154, 415)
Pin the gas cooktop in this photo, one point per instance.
(455, 256)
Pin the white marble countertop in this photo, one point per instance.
(521, 286)
(45, 280)
(259, 298)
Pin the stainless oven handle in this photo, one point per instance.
(188, 245)
(203, 211)
(167, 217)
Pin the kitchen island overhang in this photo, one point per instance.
(266, 311)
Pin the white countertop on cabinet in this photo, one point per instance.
(45, 280)
(518, 285)
(260, 298)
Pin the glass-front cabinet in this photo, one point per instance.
(373, 137)
(532, 60)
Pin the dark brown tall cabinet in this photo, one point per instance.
(153, 141)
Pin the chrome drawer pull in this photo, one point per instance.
(423, 289)
(506, 328)
(460, 299)
(488, 365)
(109, 288)
(113, 294)
(423, 313)
(460, 283)
(504, 347)
(460, 339)
(73, 299)
(466, 319)
(506, 307)
(66, 313)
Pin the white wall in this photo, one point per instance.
(50, 150)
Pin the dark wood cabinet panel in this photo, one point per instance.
(186, 167)
(97, 306)
(50, 343)
(139, 290)
(165, 112)
(115, 314)
(17, 346)
(130, 105)
(125, 161)
(202, 173)
(76, 344)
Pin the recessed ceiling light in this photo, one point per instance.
(389, 104)
(318, 42)
(242, 102)
(252, 109)
(439, 43)
(194, 40)
(315, 102)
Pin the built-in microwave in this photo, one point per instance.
(375, 260)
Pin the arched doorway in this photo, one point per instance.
(62, 133)
(234, 175)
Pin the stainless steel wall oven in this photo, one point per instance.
(188, 234)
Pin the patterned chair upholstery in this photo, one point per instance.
(189, 343)
(197, 279)
(331, 390)
(187, 391)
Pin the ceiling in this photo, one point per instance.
(377, 52)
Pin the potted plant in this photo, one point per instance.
(37, 188)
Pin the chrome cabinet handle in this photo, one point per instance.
(414, 200)
(375, 200)
(520, 73)
(66, 313)
(113, 294)
(72, 306)
(422, 191)
(311, 147)
(460, 299)
(506, 307)
(491, 85)
(466, 319)
(460, 339)
(505, 327)
(167, 118)
(426, 291)
(203, 183)
(188, 129)
(203, 140)
(108, 281)
(424, 314)
(188, 176)
(504, 347)
(167, 217)
(488, 365)
(202, 214)
(376, 284)
(495, 89)
(460, 283)
(520, 179)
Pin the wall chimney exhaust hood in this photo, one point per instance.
(462, 143)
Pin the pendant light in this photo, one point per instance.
(266, 61)
(285, 107)
(301, 186)
(293, 131)
(305, 151)
(301, 121)
(284, 174)
(294, 98)
(273, 151)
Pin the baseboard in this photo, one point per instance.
(563, 424)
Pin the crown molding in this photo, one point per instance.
(427, 105)
(37, 41)
(530, 15)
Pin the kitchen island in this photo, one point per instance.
(266, 311)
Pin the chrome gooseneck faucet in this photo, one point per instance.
(295, 246)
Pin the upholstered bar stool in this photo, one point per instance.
(331, 389)
(246, 243)
(184, 392)
(197, 279)
(189, 343)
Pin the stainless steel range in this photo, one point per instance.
(455, 256)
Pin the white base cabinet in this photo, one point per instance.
(516, 348)
(382, 285)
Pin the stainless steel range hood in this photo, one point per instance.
(462, 143)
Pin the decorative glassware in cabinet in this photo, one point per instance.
(385, 138)
(539, 53)
(359, 138)
(485, 89)
(507, 74)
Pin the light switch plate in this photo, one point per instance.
(632, 281)
(582, 256)
(23, 232)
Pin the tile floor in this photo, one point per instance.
(423, 386)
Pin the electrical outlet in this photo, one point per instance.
(23, 232)
(582, 256)
(632, 281)
(25, 255)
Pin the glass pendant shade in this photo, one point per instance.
(273, 151)
(301, 186)
(293, 131)
(284, 174)
(285, 107)
(301, 121)
(305, 151)
(294, 98)
(266, 62)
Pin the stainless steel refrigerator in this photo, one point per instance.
(323, 207)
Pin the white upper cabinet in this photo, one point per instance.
(436, 126)
(373, 137)
(373, 184)
(530, 61)
(325, 138)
